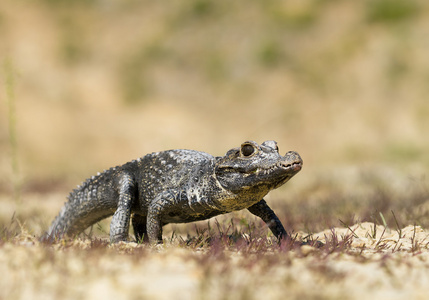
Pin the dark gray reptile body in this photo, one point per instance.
(178, 186)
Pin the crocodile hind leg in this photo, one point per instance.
(139, 226)
(120, 223)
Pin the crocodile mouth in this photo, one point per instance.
(281, 166)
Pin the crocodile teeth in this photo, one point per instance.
(286, 166)
(268, 170)
(279, 165)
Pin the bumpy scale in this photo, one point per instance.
(178, 186)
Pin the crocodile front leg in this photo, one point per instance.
(120, 223)
(262, 210)
(157, 208)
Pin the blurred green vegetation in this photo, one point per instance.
(392, 11)
(403, 151)
(72, 45)
(277, 34)
(135, 70)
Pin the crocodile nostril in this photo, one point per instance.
(292, 156)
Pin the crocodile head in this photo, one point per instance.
(256, 168)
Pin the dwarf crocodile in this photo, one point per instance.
(178, 186)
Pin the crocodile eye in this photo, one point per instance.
(247, 150)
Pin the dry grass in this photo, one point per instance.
(230, 257)
(222, 262)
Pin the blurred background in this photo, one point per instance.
(86, 85)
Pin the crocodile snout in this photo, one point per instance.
(292, 161)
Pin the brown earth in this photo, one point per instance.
(359, 261)
(381, 266)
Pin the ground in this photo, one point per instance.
(359, 265)
(230, 257)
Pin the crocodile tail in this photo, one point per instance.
(89, 203)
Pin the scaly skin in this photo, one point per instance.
(178, 186)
